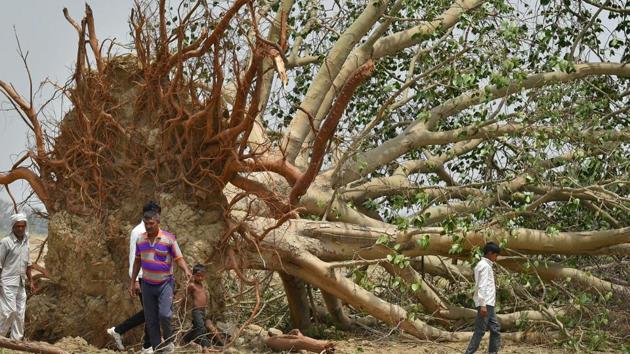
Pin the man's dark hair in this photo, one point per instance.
(198, 268)
(491, 247)
(151, 205)
(151, 214)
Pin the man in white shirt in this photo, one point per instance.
(15, 269)
(137, 319)
(485, 298)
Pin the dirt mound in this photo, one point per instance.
(395, 345)
(79, 345)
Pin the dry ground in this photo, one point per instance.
(391, 345)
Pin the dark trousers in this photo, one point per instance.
(133, 322)
(481, 324)
(158, 311)
(199, 332)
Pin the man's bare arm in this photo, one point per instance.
(134, 275)
(182, 264)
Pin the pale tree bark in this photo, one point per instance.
(372, 49)
(417, 133)
(329, 69)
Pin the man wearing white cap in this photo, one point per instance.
(15, 269)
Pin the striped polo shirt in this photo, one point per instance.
(156, 259)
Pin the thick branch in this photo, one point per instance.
(430, 300)
(319, 274)
(193, 50)
(367, 51)
(34, 181)
(276, 206)
(557, 272)
(338, 241)
(299, 126)
(608, 8)
(30, 347)
(93, 40)
(400, 40)
(415, 135)
(258, 136)
(30, 112)
(327, 131)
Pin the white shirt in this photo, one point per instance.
(135, 233)
(14, 259)
(485, 292)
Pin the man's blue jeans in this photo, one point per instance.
(158, 311)
(481, 324)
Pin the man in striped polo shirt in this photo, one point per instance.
(156, 250)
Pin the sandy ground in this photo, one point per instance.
(352, 346)
(404, 346)
(391, 345)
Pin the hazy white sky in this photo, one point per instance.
(51, 43)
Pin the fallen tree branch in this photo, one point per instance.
(295, 340)
(30, 347)
(328, 129)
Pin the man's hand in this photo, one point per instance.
(181, 263)
(134, 288)
(32, 287)
(483, 311)
(188, 274)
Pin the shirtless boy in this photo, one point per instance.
(199, 300)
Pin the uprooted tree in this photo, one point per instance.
(322, 140)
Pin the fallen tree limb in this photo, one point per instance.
(557, 272)
(30, 347)
(507, 320)
(295, 340)
(435, 305)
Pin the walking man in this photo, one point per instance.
(485, 298)
(15, 271)
(117, 331)
(156, 250)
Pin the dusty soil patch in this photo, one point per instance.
(359, 345)
(79, 345)
(407, 346)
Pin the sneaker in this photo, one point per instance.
(168, 349)
(148, 350)
(117, 339)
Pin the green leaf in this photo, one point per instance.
(424, 241)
